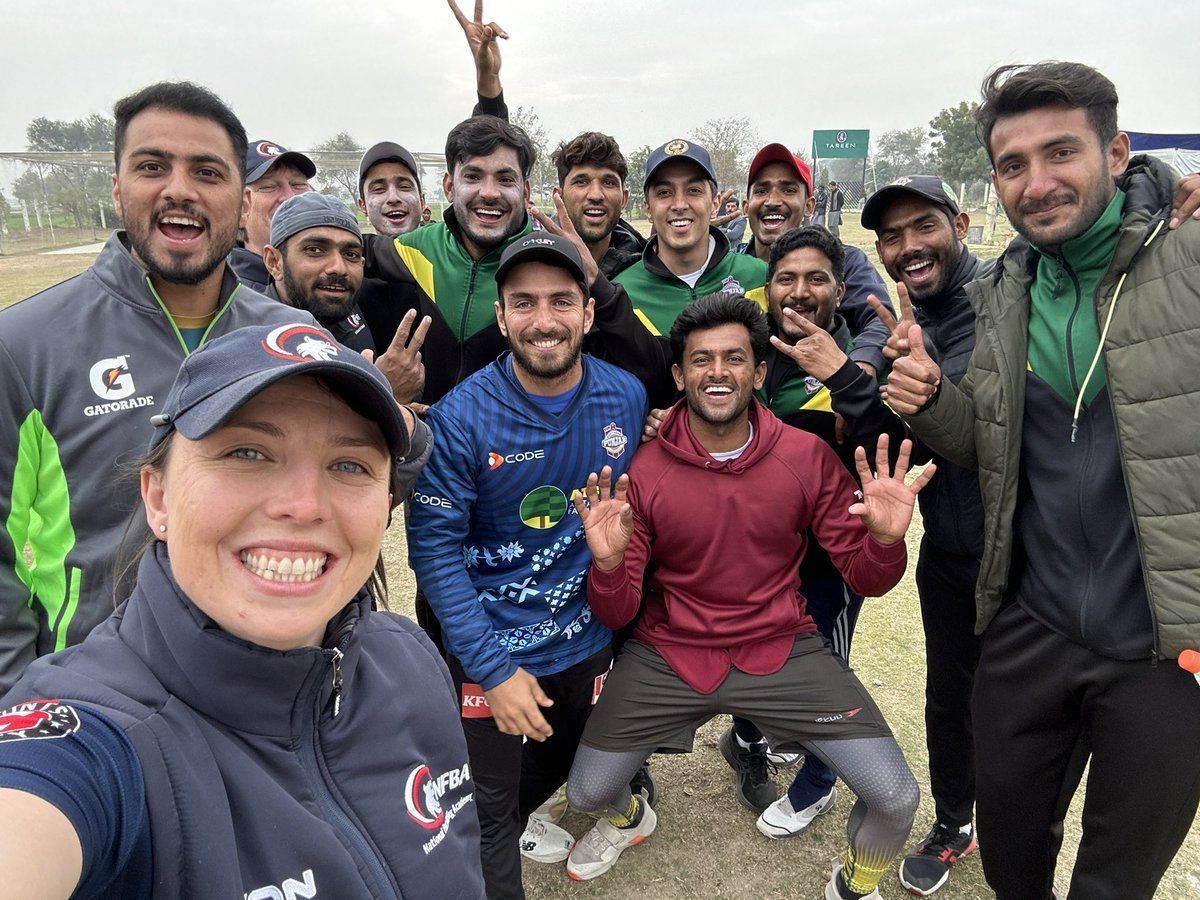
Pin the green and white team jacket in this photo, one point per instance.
(82, 367)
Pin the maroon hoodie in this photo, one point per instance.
(722, 543)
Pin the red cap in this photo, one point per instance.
(1190, 660)
(779, 153)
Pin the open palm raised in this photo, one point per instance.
(607, 518)
(887, 502)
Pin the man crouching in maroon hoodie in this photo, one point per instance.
(715, 513)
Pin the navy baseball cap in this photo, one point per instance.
(261, 155)
(311, 210)
(928, 187)
(542, 246)
(387, 151)
(680, 149)
(217, 380)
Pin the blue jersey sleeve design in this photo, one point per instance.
(91, 773)
(493, 537)
(438, 520)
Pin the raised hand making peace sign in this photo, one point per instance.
(402, 362)
(481, 38)
(564, 227)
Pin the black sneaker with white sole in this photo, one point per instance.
(753, 771)
(927, 868)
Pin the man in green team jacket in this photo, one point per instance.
(687, 257)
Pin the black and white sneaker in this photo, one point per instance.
(927, 868)
(643, 783)
(753, 771)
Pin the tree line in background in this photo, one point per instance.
(81, 194)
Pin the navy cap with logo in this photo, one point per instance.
(542, 246)
(311, 210)
(262, 155)
(218, 379)
(928, 187)
(680, 149)
(387, 151)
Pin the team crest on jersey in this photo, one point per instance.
(812, 385)
(300, 343)
(38, 720)
(731, 286)
(614, 441)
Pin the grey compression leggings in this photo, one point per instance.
(873, 768)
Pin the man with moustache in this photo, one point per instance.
(500, 553)
(1078, 409)
(78, 400)
(699, 545)
(687, 257)
(779, 198)
(810, 383)
(920, 236)
(591, 175)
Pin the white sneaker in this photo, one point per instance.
(779, 820)
(597, 851)
(782, 760)
(832, 892)
(554, 808)
(544, 842)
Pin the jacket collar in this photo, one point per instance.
(125, 277)
(654, 263)
(455, 229)
(244, 686)
(676, 438)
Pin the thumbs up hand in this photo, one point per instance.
(914, 378)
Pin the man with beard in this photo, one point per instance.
(78, 398)
(591, 175)
(273, 175)
(500, 553)
(688, 257)
(1078, 407)
(811, 383)
(701, 543)
(920, 239)
(779, 197)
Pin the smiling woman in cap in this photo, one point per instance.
(248, 685)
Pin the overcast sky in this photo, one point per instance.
(297, 71)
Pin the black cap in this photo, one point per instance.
(218, 379)
(928, 187)
(542, 246)
(261, 155)
(680, 149)
(387, 151)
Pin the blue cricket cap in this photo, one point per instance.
(680, 149)
(218, 379)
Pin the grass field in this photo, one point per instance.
(706, 845)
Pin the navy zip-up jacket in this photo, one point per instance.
(342, 766)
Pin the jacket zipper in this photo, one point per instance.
(462, 323)
(1064, 266)
(381, 884)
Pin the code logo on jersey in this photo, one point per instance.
(38, 720)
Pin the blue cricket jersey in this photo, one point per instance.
(493, 538)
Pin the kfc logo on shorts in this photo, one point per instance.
(474, 703)
(300, 343)
(38, 720)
